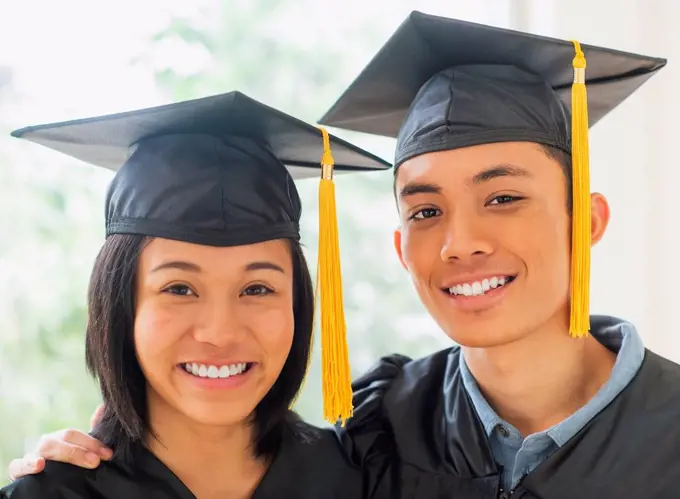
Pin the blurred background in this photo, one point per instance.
(77, 58)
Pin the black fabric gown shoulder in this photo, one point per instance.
(304, 468)
(416, 435)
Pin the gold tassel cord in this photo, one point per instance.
(581, 218)
(336, 374)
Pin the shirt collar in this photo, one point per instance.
(619, 336)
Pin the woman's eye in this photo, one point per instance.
(425, 213)
(504, 199)
(180, 290)
(257, 290)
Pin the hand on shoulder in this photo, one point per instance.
(66, 446)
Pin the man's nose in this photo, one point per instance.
(466, 239)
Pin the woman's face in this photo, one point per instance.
(213, 326)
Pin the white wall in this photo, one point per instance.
(636, 272)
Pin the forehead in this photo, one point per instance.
(468, 164)
(160, 250)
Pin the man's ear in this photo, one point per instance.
(599, 216)
(397, 246)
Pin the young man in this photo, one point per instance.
(540, 400)
(497, 220)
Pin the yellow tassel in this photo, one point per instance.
(336, 375)
(581, 220)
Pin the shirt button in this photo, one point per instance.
(503, 495)
(503, 431)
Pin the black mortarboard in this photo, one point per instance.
(218, 171)
(476, 78)
(209, 171)
(441, 84)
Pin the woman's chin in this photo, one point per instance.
(217, 414)
(204, 407)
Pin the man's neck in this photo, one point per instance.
(210, 461)
(542, 379)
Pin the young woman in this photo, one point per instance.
(201, 307)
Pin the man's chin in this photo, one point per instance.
(483, 334)
(481, 341)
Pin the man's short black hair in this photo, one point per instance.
(111, 358)
(564, 161)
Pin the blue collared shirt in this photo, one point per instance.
(519, 456)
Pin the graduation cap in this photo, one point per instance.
(440, 84)
(219, 171)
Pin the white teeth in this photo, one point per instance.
(477, 288)
(214, 372)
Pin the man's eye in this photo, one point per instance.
(425, 213)
(504, 199)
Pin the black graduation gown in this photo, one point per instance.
(301, 469)
(417, 436)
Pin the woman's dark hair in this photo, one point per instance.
(111, 358)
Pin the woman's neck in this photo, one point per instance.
(211, 461)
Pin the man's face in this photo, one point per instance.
(485, 234)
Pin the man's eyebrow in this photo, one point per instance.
(500, 171)
(505, 170)
(413, 188)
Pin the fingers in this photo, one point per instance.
(57, 450)
(73, 446)
(28, 465)
(96, 416)
(67, 446)
(76, 438)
